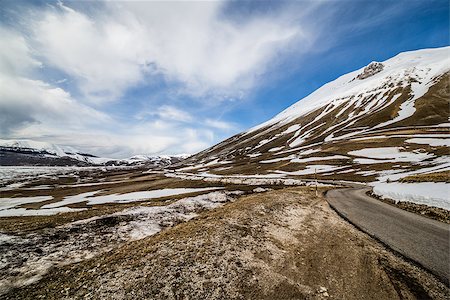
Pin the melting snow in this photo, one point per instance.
(15, 212)
(291, 129)
(407, 109)
(125, 198)
(27, 257)
(428, 193)
(257, 179)
(269, 161)
(392, 153)
(149, 220)
(276, 149)
(368, 161)
(308, 159)
(6, 203)
(312, 169)
(430, 141)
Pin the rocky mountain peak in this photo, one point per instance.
(371, 69)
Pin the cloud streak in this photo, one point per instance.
(190, 43)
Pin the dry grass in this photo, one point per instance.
(276, 245)
(431, 177)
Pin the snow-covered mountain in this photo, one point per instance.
(382, 122)
(29, 152)
(159, 160)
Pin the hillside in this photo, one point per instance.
(383, 122)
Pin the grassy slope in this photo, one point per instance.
(431, 109)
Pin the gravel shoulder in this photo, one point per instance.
(283, 244)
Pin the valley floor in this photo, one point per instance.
(280, 244)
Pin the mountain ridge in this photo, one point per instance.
(25, 152)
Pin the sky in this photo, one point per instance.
(120, 78)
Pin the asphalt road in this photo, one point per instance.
(420, 239)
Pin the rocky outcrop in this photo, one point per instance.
(371, 69)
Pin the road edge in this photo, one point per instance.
(388, 247)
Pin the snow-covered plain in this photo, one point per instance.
(19, 173)
(23, 212)
(28, 257)
(8, 205)
(127, 197)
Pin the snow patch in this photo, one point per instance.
(6, 203)
(318, 158)
(313, 169)
(392, 153)
(125, 198)
(430, 141)
(428, 193)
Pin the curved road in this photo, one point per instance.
(422, 240)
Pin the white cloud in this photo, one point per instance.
(191, 43)
(34, 109)
(15, 54)
(104, 56)
(146, 138)
(112, 47)
(25, 101)
(172, 113)
(219, 124)
(204, 50)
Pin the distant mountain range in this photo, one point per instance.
(385, 121)
(36, 153)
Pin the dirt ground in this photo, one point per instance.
(283, 244)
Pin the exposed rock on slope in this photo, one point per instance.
(371, 69)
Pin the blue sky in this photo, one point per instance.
(122, 78)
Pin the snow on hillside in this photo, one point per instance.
(38, 146)
(57, 151)
(421, 65)
(378, 124)
(391, 154)
(19, 173)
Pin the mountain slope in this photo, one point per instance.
(36, 153)
(385, 121)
